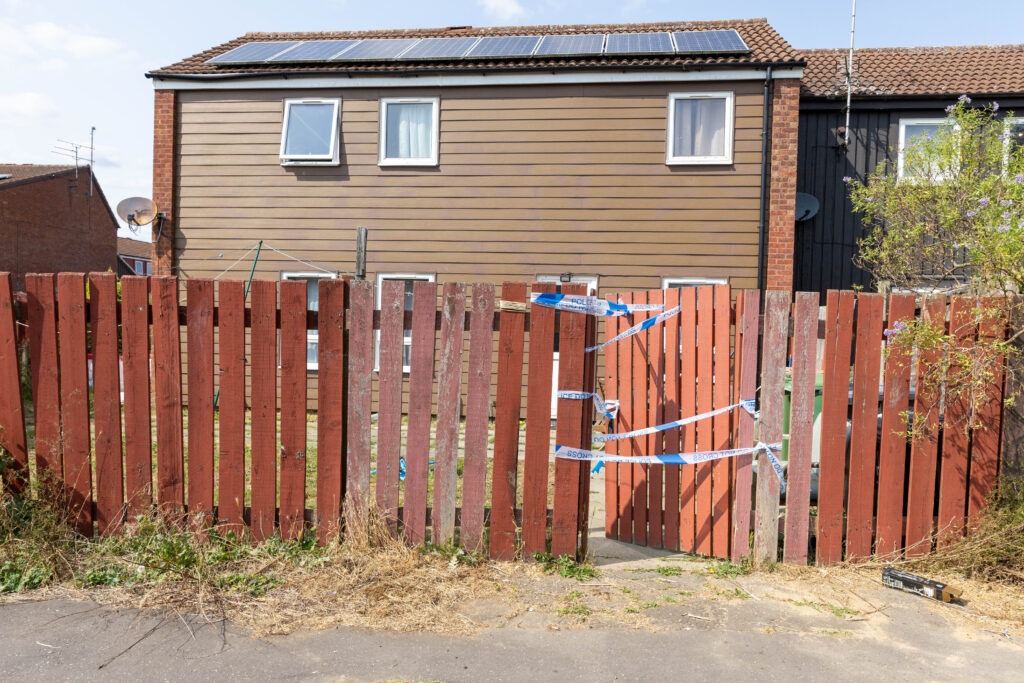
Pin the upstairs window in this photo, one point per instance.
(409, 131)
(700, 128)
(310, 132)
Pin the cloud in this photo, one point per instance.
(503, 10)
(25, 108)
(45, 39)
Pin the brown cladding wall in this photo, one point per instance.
(53, 225)
(532, 180)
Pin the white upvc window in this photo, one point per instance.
(673, 282)
(913, 131)
(312, 304)
(700, 128)
(409, 131)
(408, 279)
(310, 132)
(1014, 136)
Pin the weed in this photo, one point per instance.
(566, 566)
(669, 571)
(834, 632)
(649, 604)
(729, 570)
(631, 610)
(838, 611)
(455, 555)
(18, 576)
(253, 584)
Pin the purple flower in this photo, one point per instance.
(898, 326)
(869, 199)
(972, 214)
(1004, 137)
(847, 179)
(1003, 228)
(950, 108)
(995, 107)
(965, 99)
(983, 201)
(1005, 202)
(1006, 215)
(1019, 179)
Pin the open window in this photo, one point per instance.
(312, 304)
(700, 128)
(310, 134)
(408, 279)
(409, 131)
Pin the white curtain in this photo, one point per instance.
(409, 130)
(699, 128)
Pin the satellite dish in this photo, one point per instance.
(806, 206)
(136, 210)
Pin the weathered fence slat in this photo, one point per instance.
(864, 426)
(587, 431)
(773, 367)
(446, 475)
(721, 480)
(389, 397)
(471, 533)
(330, 415)
(74, 398)
(508, 401)
(672, 442)
(421, 379)
(360, 381)
(624, 423)
(688, 406)
(263, 459)
(801, 424)
(200, 340)
(641, 419)
(985, 438)
(106, 402)
(892, 459)
(569, 432)
(293, 408)
(12, 415)
(231, 405)
(924, 444)
(954, 460)
(834, 405)
(747, 309)
(611, 470)
(170, 490)
(655, 416)
(138, 421)
(42, 345)
(538, 425)
(705, 401)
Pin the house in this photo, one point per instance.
(627, 156)
(134, 257)
(54, 219)
(897, 93)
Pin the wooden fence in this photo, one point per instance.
(123, 448)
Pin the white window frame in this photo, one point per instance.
(730, 129)
(311, 335)
(384, 160)
(670, 282)
(406, 340)
(331, 159)
(900, 153)
(1007, 123)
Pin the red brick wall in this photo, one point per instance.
(782, 194)
(53, 225)
(165, 119)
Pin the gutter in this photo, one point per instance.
(762, 251)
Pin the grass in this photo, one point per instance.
(838, 611)
(566, 566)
(729, 570)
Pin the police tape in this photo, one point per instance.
(636, 329)
(609, 408)
(590, 305)
(748, 405)
(583, 455)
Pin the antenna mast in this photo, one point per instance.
(849, 75)
(73, 149)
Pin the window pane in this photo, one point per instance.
(312, 348)
(919, 131)
(409, 130)
(310, 128)
(313, 294)
(1016, 136)
(699, 128)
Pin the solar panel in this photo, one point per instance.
(586, 44)
(709, 41)
(378, 48)
(439, 48)
(638, 43)
(504, 46)
(252, 52)
(313, 51)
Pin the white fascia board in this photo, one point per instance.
(299, 81)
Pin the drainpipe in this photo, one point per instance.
(762, 252)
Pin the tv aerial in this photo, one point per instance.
(137, 211)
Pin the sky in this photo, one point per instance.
(67, 66)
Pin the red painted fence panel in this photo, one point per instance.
(231, 447)
(453, 314)
(538, 425)
(263, 445)
(74, 399)
(421, 379)
(357, 464)
(106, 402)
(200, 302)
(42, 348)
(293, 408)
(801, 423)
(170, 475)
(138, 419)
(330, 416)
(477, 423)
(12, 416)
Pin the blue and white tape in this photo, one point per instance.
(609, 408)
(583, 455)
(590, 305)
(636, 329)
(747, 404)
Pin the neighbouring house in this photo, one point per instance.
(54, 219)
(134, 257)
(897, 93)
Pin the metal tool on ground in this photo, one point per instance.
(912, 583)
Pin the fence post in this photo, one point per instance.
(12, 414)
(357, 498)
(773, 369)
